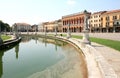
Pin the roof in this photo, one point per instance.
(22, 24)
(112, 11)
(100, 12)
(74, 14)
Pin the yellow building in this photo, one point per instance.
(95, 21)
(110, 21)
(53, 25)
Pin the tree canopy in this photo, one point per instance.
(4, 26)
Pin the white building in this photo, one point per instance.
(22, 27)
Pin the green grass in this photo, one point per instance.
(110, 43)
(76, 36)
(5, 37)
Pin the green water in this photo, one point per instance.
(38, 57)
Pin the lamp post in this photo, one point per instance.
(1, 41)
(68, 31)
(86, 39)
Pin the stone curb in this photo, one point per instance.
(106, 70)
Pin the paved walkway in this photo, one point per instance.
(112, 56)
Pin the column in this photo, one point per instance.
(68, 31)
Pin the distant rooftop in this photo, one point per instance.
(74, 14)
(100, 12)
(112, 11)
(22, 24)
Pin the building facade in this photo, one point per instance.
(75, 21)
(51, 26)
(111, 21)
(22, 27)
(34, 28)
(41, 27)
(95, 22)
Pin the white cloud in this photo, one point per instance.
(71, 2)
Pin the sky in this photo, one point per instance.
(37, 11)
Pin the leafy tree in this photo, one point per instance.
(4, 26)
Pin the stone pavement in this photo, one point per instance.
(107, 58)
(112, 56)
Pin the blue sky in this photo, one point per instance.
(36, 11)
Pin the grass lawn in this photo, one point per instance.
(5, 37)
(110, 43)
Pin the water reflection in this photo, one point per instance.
(2, 54)
(1, 64)
(38, 57)
(17, 50)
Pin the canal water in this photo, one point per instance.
(36, 57)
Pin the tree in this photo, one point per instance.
(4, 26)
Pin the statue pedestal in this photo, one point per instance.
(86, 39)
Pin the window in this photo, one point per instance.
(99, 25)
(117, 23)
(101, 19)
(114, 17)
(107, 23)
(107, 18)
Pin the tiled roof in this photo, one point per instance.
(100, 12)
(112, 11)
(79, 13)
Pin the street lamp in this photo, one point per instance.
(68, 31)
(1, 41)
(86, 39)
